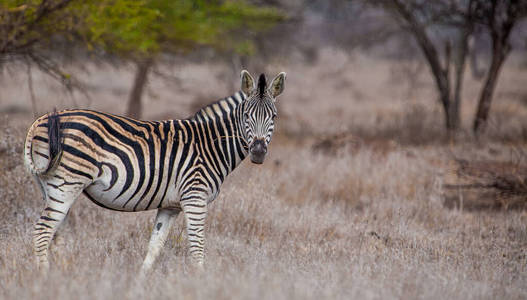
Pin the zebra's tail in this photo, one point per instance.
(54, 143)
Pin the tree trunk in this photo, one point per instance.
(460, 63)
(499, 54)
(135, 109)
(444, 96)
(504, 17)
(439, 73)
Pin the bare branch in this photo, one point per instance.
(51, 69)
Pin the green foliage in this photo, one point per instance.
(147, 27)
(119, 26)
(24, 23)
(136, 27)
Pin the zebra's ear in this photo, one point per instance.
(247, 82)
(277, 85)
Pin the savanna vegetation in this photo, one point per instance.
(377, 184)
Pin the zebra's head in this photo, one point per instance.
(259, 112)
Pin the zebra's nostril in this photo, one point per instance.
(258, 150)
(259, 147)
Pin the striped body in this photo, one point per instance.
(130, 165)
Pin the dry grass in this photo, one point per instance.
(364, 219)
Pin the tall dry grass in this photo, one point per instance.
(362, 217)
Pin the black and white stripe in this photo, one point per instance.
(130, 165)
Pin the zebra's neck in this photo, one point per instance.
(221, 135)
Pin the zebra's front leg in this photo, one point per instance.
(195, 209)
(162, 226)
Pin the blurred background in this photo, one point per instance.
(412, 71)
(398, 166)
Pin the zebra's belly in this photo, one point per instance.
(108, 199)
(140, 200)
(112, 190)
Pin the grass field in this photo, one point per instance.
(350, 202)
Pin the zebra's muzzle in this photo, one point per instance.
(257, 151)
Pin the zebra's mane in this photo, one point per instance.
(238, 97)
(262, 84)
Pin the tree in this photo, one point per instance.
(417, 17)
(499, 17)
(24, 25)
(137, 31)
(142, 30)
(25, 29)
(30, 31)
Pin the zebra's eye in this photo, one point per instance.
(246, 115)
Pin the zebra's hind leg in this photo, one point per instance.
(162, 226)
(57, 206)
(195, 209)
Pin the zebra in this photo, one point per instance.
(130, 165)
